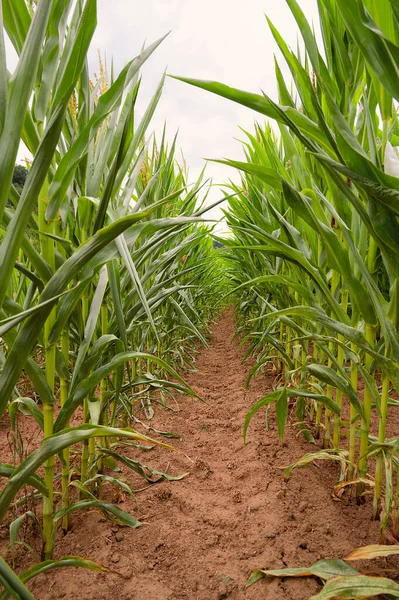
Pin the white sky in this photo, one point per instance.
(223, 40)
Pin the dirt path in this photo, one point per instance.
(233, 513)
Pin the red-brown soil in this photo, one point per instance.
(202, 536)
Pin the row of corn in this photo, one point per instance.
(108, 275)
(314, 250)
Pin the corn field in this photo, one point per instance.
(110, 278)
(107, 270)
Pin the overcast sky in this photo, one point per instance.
(223, 40)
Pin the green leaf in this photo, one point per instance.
(262, 105)
(13, 583)
(381, 55)
(35, 481)
(282, 413)
(20, 87)
(29, 407)
(330, 377)
(265, 401)
(77, 56)
(357, 586)
(41, 163)
(110, 511)
(3, 76)
(28, 334)
(84, 388)
(17, 21)
(66, 561)
(91, 322)
(54, 445)
(16, 524)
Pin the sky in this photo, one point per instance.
(223, 40)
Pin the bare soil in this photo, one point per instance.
(203, 535)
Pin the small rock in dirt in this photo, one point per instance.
(225, 579)
(127, 572)
(115, 558)
(237, 496)
(119, 537)
(306, 528)
(302, 506)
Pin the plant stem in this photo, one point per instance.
(381, 438)
(85, 443)
(352, 424)
(338, 393)
(65, 453)
(103, 384)
(367, 397)
(335, 278)
(365, 421)
(47, 250)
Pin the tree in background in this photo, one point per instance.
(19, 176)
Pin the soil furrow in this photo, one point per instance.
(233, 513)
